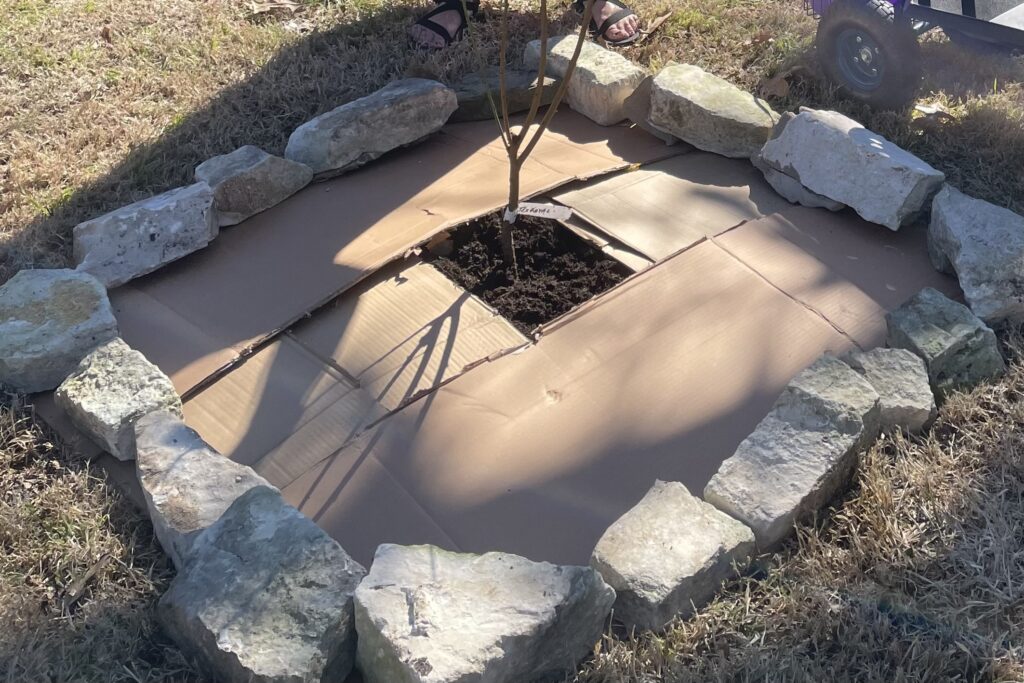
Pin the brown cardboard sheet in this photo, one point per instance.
(195, 316)
(848, 270)
(405, 330)
(537, 452)
(668, 206)
(273, 393)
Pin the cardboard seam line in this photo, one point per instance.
(800, 302)
(253, 347)
(456, 546)
(597, 301)
(378, 423)
(581, 309)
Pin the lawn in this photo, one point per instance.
(915, 577)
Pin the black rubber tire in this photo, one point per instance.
(895, 43)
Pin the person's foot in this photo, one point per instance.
(622, 30)
(424, 38)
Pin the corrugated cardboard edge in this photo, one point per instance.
(246, 350)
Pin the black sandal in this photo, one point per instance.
(601, 32)
(460, 6)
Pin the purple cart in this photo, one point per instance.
(869, 47)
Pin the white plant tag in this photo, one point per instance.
(552, 211)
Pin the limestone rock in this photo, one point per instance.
(248, 181)
(984, 245)
(787, 187)
(520, 85)
(801, 454)
(834, 156)
(709, 112)
(792, 191)
(901, 380)
(669, 555)
(113, 387)
(638, 110)
(601, 82)
(187, 485)
(959, 349)
(426, 615)
(266, 597)
(49, 321)
(141, 237)
(356, 133)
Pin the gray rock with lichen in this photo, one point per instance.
(139, 238)
(186, 484)
(984, 245)
(709, 112)
(49, 321)
(266, 597)
(248, 181)
(668, 555)
(601, 82)
(111, 388)
(958, 348)
(425, 615)
(801, 454)
(356, 133)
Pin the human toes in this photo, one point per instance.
(624, 29)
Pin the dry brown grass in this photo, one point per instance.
(79, 570)
(102, 102)
(915, 575)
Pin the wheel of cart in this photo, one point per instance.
(869, 47)
(870, 51)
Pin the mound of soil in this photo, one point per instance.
(557, 269)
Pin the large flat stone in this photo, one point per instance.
(49, 321)
(520, 86)
(836, 157)
(709, 112)
(141, 237)
(111, 388)
(790, 188)
(356, 133)
(801, 455)
(792, 191)
(638, 110)
(427, 615)
(984, 244)
(668, 555)
(600, 83)
(248, 181)
(187, 485)
(266, 597)
(959, 349)
(906, 400)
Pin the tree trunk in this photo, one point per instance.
(507, 247)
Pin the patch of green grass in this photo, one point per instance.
(688, 20)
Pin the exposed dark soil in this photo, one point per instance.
(557, 269)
